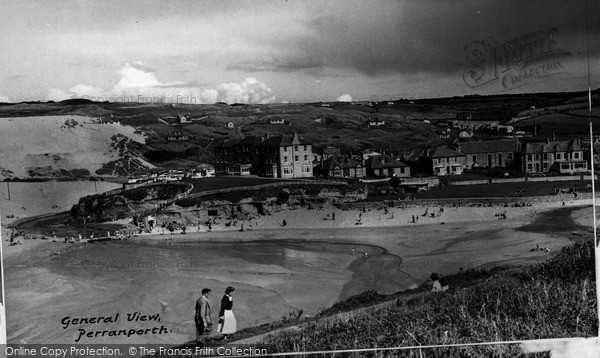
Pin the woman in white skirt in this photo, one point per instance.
(227, 323)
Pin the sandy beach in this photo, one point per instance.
(308, 265)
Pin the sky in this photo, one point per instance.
(294, 51)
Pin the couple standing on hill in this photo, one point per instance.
(227, 323)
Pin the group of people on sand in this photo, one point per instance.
(227, 325)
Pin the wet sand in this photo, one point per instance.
(275, 271)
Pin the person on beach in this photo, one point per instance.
(438, 286)
(227, 322)
(203, 318)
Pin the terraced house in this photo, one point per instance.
(341, 166)
(284, 156)
(490, 153)
(385, 166)
(447, 161)
(565, 156)
(236, 157)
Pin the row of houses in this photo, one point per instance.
(283, 156)
(290, 156)
(565, 157)
(361, 166)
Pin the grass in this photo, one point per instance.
(502, 189)
(224, 182)
(548, 300)
(262, 194)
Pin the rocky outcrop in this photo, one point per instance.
(122, 204)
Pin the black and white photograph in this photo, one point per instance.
(387, 178)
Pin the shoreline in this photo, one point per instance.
(399, 257)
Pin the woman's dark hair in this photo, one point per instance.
(229, 289)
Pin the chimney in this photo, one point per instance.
(553, 136)
(535, 130)
(547, 141)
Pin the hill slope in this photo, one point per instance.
(555, 299)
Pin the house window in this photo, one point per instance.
(287, 170)
(296, 148)
(509, 156)
(576, 155)
(529, 157)
(474, 158)
(529, 167)
(306, 169)
(285, 159)
(296, 158)
(545, 156)
(545, 166)
(305, 148)
(447, 160)
(558, 156)
(401, 170)
(305, 157)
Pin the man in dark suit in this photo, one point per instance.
(202, 318)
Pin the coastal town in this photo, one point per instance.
(299, 178)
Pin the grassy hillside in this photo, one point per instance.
(549, 300)
(409, 124)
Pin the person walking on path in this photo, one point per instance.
(203, 318)
(227, 322)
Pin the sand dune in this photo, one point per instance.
(58, 143)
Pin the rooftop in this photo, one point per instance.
(552, 147)
(445, 152)
(489, 146)
(383, 161)
(283, 140)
